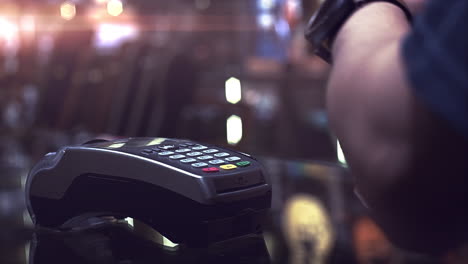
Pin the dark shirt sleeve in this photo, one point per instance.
(436, 57)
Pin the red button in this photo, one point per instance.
(212, 169)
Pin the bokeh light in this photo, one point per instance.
(8, 30)
(233, 90)
(67, 11)
(234, 129)
(114, 7)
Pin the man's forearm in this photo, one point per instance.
(409, 163)
(368, 96)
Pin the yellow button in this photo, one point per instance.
(228, 167)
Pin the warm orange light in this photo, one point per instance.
(114, 7)
(67, 11)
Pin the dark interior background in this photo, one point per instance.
(77, 70)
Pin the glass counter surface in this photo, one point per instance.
(120, 244)
(315, 218)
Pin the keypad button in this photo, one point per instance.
(147, 151)
(209, 151)
(199, 165)
(216, 162)
(243, 163)
(194, 154)
(189, 160)
(211, 169)
(165, 153)
(189, 143)
(228, 167)
(207, 157)
(182, 145)
(199, 147)
(184, 150)
(167, 147)
(221, 155)
(176, 157)
(233, 159)
(157, 150)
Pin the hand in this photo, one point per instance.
(415, 5)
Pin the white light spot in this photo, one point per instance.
(67, 10)
(341, 156)
(265, 20)
(169, 243)
(112, 35)
(114, 7)
(234, 129)
(266, 4)
(130, 221)
(233, 90)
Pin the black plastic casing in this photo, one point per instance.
(183, 203)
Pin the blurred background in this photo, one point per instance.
(236, 73)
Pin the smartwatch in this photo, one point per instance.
(330, 17)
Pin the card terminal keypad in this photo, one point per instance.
(202, 158)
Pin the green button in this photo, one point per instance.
(243, 163)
